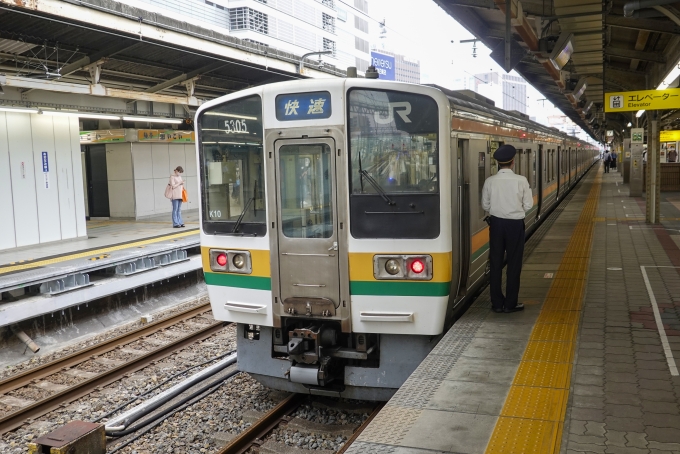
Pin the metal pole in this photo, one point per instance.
(302, 59)
(508, 35)
(653, 165)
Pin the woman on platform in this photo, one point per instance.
(174, 191)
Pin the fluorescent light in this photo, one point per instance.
(580, 88)
(639, 113)
(18, 110)
(561, 54)
(670, 77)
(220, 114)
(173, 121)
(59, 113)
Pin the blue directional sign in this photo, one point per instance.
(384, 64)
(303, 106)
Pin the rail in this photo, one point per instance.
(49, 403)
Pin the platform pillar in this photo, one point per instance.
(637, 137)
(653, 171)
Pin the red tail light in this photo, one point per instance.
(417, 266)
(221, 259)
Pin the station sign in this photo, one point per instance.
(384, 64)
(102, 136)
(630, 101)
(165, 136)
(137, 135)
(637, 135)
(669, 136)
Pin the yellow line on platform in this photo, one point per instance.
(532, 418)
(95, 252)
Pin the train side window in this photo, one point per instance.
(533, 171)
(518, 162)
(493, 146)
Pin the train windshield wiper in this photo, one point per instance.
(245, 208)
(377, 187)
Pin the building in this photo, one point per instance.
(295, 26)
(508, 91)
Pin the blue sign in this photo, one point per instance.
(45, 162)
(303, 106)
(384, 64)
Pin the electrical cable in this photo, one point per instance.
(170, 412)
(172, 377)
(175, 406)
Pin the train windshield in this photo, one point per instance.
(393, 147)
(231, 160)
(393, 142)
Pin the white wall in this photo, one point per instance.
(120, 178)
(39, 206)
(152, 166)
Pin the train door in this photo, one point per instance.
(541, 176)
(307, 216)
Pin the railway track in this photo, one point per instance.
(61, 398)
(254, 436)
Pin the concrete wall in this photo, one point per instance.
(40, 206)
(152, 166)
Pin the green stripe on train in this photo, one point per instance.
(392, 288)
(238, 280)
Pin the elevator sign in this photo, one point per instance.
(628, 101)
(46, 168)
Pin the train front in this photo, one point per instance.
(326, 231)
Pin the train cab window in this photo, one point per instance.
(231, 165)
(393, 164)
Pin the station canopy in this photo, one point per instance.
(617, 46)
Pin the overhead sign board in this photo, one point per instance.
(384, 64)
(629, 101)
(669, 136)
(610, 133)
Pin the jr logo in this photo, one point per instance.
(404, 110)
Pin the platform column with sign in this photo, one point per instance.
(637, 140)
(626, 161)
(653, 173)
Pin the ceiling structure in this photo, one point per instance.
(613, 50)
(129, 53)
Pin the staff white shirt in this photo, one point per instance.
(607, 156)
(506, 195)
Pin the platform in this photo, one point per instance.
(589, 366)
(117, 256)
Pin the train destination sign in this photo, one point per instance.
(629, 101)
(303, 106)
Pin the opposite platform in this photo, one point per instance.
(569, 374)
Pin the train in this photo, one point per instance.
(341, 221)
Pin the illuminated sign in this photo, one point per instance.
(669, 136)
(303, 106)
(628, 101)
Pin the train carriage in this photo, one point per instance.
(341, 222)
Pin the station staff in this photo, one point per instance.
(507, 197)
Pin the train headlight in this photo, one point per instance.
(409, 267)
(230, 261)
(392, 266)
(239, 261)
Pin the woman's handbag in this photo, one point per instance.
(168, 192)
(185, 197)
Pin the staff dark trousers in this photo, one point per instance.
(606, 167)
(505, 236)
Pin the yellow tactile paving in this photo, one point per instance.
(532, 418)
(535, 402)
(542, 374)
(523, 436)
(95, 252)
(565, 317)
(549, 351)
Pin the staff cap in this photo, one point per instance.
(505, 154)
